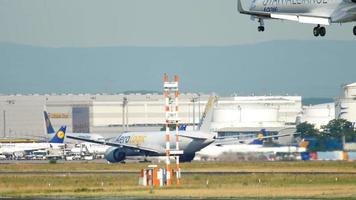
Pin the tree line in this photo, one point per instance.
(336, 129)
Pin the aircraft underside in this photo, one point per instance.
(321, 13)
(318, 30)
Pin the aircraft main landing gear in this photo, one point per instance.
(261, 27)
(319, 30)
(354, 30)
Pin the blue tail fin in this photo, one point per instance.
(59, 136)
(49, 126)
(260, 136)
(182, 127)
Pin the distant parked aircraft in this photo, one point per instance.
(55, 143)
(253, 145)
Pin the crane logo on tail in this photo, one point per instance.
(60, 134)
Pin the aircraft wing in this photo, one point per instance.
(196, 136)
(244, 141)
(307, 19)
(277, 136)
(115, 144)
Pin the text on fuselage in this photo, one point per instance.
(293, 2)
(135, 139)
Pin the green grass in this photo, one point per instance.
(340, 166)
(276, 186)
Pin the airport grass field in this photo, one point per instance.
(340, 183)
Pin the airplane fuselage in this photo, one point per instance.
(156, 140)
(332, 9)
(189, 142)
(10, 148)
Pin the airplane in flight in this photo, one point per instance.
(56, 142)
(319, 12)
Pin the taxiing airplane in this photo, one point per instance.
(318, 12)
(95, 148)
(147, 144)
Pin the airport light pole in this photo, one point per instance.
(127, 115)
(199, 108)
(194, 99)
(124, 117)
(239, 108)
(10, 102)
(4, 117)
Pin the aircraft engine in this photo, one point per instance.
(187, 157)
(115, 154)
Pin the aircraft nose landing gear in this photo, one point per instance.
(261, 27)
(319, 30)
(354, 30)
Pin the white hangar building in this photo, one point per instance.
(22, 115)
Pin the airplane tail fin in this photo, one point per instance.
(304, 144)
(205, 121)
(260, 137)
(182, 127)
(49, 126)
(59, 136)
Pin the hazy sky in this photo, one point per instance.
(301, 64)
(82, 23)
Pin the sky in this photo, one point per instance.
(103, 45)
(93, 23)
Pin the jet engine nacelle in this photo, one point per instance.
(115, 154)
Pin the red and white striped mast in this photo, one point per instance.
(176, 79)
(171, 94)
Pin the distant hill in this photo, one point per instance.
(316, 100)
(307, 68)
(142, 92)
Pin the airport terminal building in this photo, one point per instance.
(108, 114)
(22, 115)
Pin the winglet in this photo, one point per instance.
(239, 7)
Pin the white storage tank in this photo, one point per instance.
(226, 115)
(350, 90)
(346, 109)
(346, 105)
(245, 114)
(318, 115)
(320, 110)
